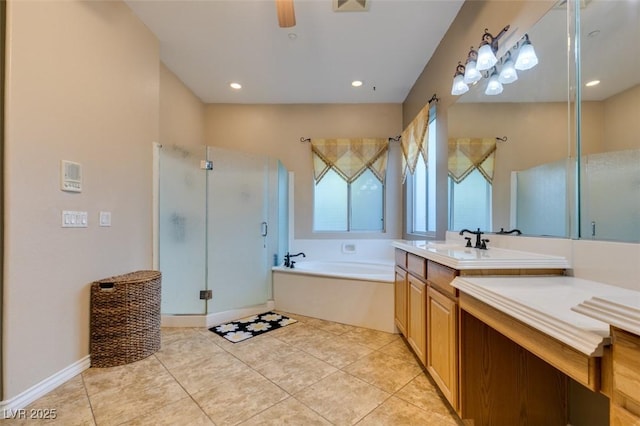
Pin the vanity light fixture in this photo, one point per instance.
(488, 48)
(471, 73)
(459, 86)
(494, 87)
(236, 86)
(508, 72)
(527, 57)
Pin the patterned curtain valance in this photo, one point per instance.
(466, 154)
(350, 157)
(414, 141)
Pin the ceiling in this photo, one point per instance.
(210, 43)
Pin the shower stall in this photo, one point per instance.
(221, 224)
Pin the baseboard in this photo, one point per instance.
(25, 398)
(215, 318)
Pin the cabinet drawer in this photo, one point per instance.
(441, 276)
(401, 258)
(417, 265)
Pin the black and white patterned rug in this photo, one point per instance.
(246, 328)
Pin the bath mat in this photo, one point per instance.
(246, 328)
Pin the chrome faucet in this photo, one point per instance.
(288, 263)
(480, 243)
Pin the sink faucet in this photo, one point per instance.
(479, 243)
(288, 263)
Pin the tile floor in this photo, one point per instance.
(313, 372)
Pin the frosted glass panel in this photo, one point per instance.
(610, 190)
(330, 203)
(470, 203)
(366, 203)
(541, 200)
(182, 218)
(238, 271)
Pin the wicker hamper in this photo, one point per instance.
(125, 318)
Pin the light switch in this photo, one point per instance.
(105, 218)
(74, 219)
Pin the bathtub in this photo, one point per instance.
(355, 293)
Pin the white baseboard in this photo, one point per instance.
(215, 318)
(47, 385)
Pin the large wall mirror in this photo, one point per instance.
(534, 173)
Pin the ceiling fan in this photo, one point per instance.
(286, 14)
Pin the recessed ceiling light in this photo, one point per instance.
(356, 83)
(592, 83)
(236, 86)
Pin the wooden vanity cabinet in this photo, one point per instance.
(625, 401)
(416, 327)
(400, 300)
(442, 330)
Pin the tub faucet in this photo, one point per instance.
(479, 243)
(288, 263)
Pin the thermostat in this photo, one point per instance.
(70, 176)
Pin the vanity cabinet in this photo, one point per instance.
(416, 328)
(625, 401)
(442, 332)
(401, 299)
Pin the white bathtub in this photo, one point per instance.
(355, 293)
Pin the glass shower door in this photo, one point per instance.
(182, 225)
(237, 229)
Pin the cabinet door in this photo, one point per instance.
(442, 359)
(400, 305)
(416, 328)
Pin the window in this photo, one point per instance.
(343, 207)
(421, 187)
(470, 202)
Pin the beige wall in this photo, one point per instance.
(181, 112)
(622, 121)
(82, 85)
(275, 131)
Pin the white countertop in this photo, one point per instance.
(620, 309)
(545, 303)
(459, 257)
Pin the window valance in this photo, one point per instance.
(414, 141)
(467, 154)
(349, 158)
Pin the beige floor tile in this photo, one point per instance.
(145, 391)
(170, 334)
(205, 373)
(332, 327)
(296, 371)
(288, 412)
(341, 398)
(187, 350)
(238, 397)
(65, 405)
(182, 412)
(384, 371)
(97, 380)
(260, 350)
(304, 333)
(398, 348)
(373, 339)
(396, 412)
(337, 351)
(422, 393)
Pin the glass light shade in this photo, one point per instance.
(486, 58)
(508, 73)
(527, 58)
(459, 86)
(494, 87)
(471, 73)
